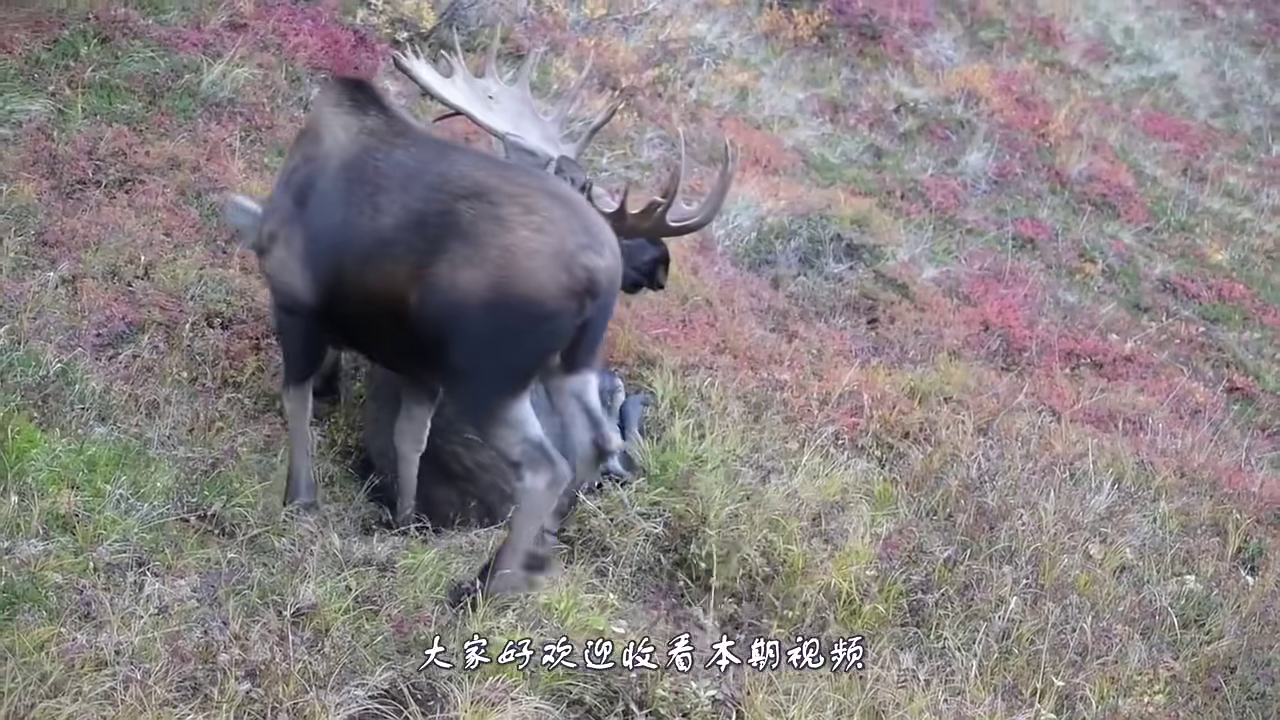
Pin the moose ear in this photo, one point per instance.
(245, 215)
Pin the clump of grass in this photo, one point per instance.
(820, 245)
(20, 104)
(224, 78)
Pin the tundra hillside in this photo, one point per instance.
(979, 363)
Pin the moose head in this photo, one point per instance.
(507, 111)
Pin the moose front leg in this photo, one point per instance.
(303, 349)
(413, 427)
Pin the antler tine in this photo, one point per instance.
(672, 190)
(506, 111)
(457, 54)
(491, 56)
(701, 215)
(526, 69)
(570, 99)
(656, 219)
(657, 208)
(597, 124)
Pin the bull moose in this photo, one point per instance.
(466, 275)
(462, 481)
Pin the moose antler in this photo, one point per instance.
(660, 218)
(506, 111)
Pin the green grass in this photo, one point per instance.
(106, 543)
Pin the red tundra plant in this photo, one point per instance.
(1004, 303)
(1269, 169)
(941, 135)
(1082, 400)
(1224, 291)
(739, 329)
(945, 195)
(27, 29)
(1192, 141)
(888, 24)
(1095, 377)
(761, 152)
(914, 15)
(1189, 287)
(1239, 385)
(123, 24)
(1032, 230)
(237, 29)
(1115, 387)
(312, 35)
(1231, 291)
(1107, 181)
(1024, 121)
(1020, 107)
(911, 209)
(1095, 52)
(110, 314)
(1108, 358)
(316, 36)
(1042, 30)
(1007, 169)
(114, 181)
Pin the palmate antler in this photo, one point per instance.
(661, 217)
(508, 113)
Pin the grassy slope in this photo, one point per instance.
(980, 364)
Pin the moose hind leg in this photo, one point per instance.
(544, 474)
(412, 429)
(300, 485)
(303, 348)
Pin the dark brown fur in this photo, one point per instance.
(454, 269)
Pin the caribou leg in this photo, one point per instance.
(413, 426)
(589, 436)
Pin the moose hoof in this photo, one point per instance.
(403, 524)
(539, 563)
(301, 508)
(492, 585)
(512, 582)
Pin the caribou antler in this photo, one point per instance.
(505, 111)
(660, 218)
